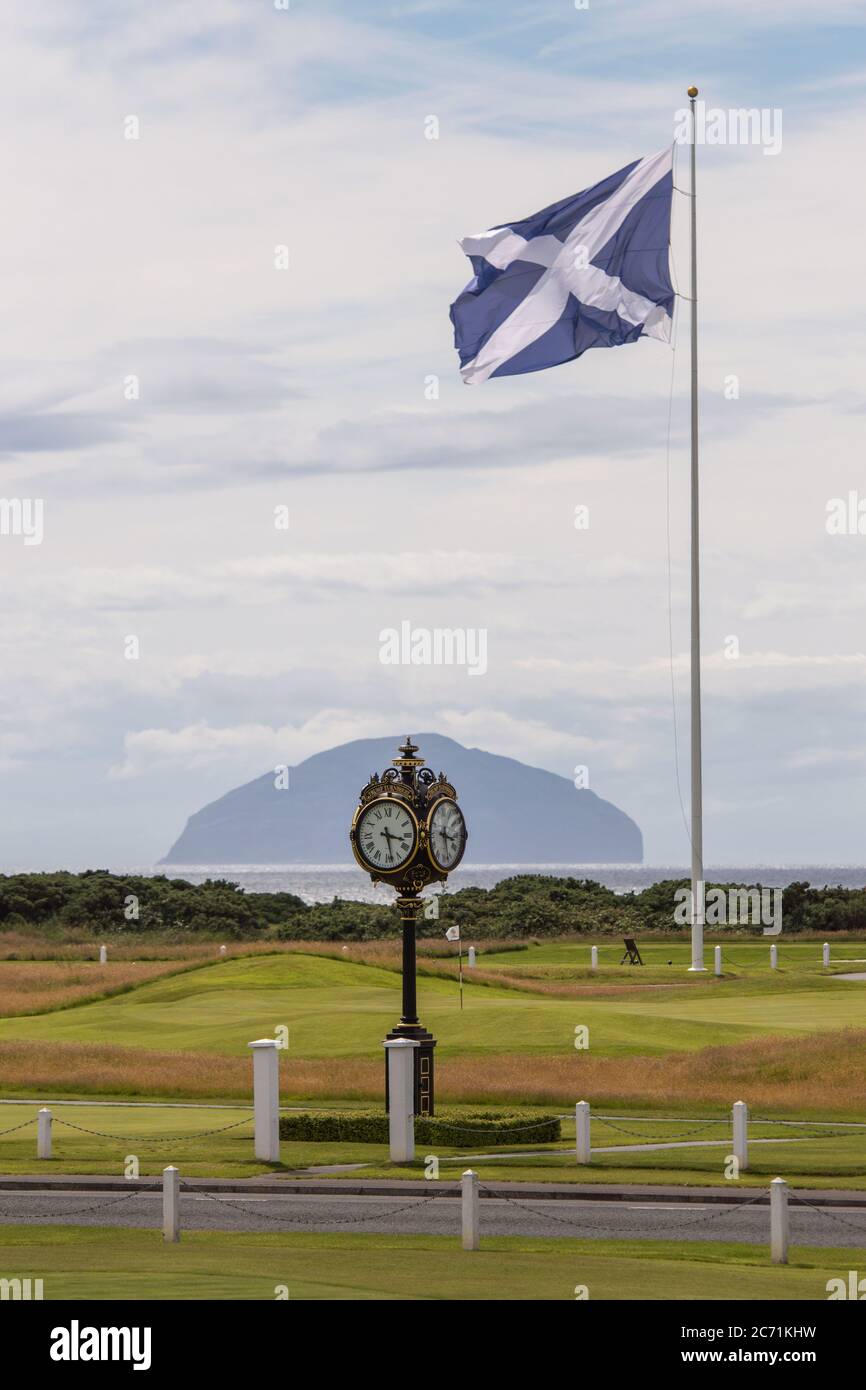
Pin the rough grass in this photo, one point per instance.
(130, 946)
(821, 1074)
(35, 987)
(103, 1068)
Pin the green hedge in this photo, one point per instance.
(452, 1129)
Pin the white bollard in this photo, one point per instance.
(103, 954)
(717, 957)
(43, 1134)
(469, 1186)
(593, 958)
(774, 957)
(741, 1134)
(171, 1204)
(779, 1221)
(471, 955)
(825, 953)
(266, 1098)
(401, 1098)
(222, 950)
(582, 1144)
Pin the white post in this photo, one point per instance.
(581, 1132)
(717, 957)
(741, 1135)
(593, 958)
(222, 950)
(779, 1221)
(401, 1098)
(774, 957)
(826, 954)
(469, 1185)
(171, 1204)
(266, 1098)
(103, 954)
(471, 955)
(43, 1134)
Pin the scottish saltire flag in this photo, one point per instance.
(591, 271)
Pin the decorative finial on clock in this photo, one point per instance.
(407, 753)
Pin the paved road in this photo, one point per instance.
(440, 1216)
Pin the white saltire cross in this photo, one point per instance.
(568, 272)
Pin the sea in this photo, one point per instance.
(320, 883)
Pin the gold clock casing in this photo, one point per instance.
(428, 821)
(365, 864)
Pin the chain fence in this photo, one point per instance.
(727, 1210)
(302, 1220)
(854, 1129)
(705, 1127)
(647, 1130)
(80, 1211)
(23, 1125)
(826, 1212)
(150, 1139)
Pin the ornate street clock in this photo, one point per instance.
(386, 836)
(409, 832)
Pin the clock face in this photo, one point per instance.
(385, 835)
(447, 830)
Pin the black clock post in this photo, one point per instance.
(408, 831)
(409, 1026)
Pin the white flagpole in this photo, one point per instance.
(697, 901)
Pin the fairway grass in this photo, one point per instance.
(83, 1263)
(336, 1007)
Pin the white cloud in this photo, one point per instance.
(155, 257)
(751, 672)
(253, 745)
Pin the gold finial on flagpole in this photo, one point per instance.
(692, 92)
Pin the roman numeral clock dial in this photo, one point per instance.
(447, 834)
(386, 835)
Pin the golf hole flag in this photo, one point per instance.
(452, 934)
(591, 271)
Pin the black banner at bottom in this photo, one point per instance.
(253, 1339)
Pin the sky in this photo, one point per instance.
(229, 248)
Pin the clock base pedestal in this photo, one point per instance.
(424, 1073)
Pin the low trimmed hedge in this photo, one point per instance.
(453, 1129)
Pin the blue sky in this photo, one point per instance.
(306, 388)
